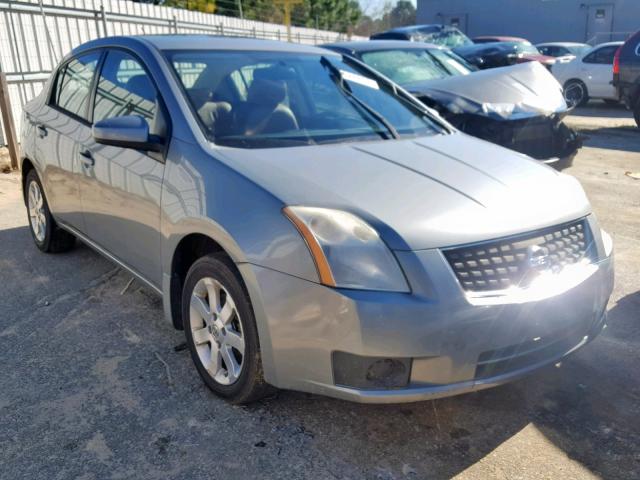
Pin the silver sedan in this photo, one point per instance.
(309, 224)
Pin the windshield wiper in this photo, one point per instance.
(344, 87)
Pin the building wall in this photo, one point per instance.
(538, 20)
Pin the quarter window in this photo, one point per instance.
(124, 88)
(73, 86)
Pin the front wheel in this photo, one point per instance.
(221, 331)
(46, 234)
(575, 93)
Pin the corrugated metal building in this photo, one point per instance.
(592, 21)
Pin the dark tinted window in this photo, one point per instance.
(603, 55)
(124, 88)
(73, 85)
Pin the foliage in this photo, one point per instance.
(206, 6)
(403, 13)
(337, 15)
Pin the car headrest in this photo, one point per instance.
(141, 85)
(268, 93)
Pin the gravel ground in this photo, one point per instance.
(93, 387)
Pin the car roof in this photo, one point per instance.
(376, 45)
(561, 44)
(200, 42)
(412, 28)
(500, 38)
(608, 44)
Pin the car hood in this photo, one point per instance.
(515, 92)
(419, 193)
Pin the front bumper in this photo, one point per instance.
(455, 343)
(544, 138)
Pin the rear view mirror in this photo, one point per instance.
(131, 131)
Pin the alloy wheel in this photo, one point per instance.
(36, 211)
(574, 93)
(217, 331)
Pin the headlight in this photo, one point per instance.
(348, 253)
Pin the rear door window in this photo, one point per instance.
(602, 56)
(73, 85)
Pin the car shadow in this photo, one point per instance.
(620, 138)
(603, 110)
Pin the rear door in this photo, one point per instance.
(62, 126)
(598, 72)
(121, 188)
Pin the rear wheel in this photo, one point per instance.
(221, 331)
(46, 234)
(575, 93)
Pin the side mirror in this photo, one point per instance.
(131, 131)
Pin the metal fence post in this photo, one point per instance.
(103, 18)
(7, 120)
(175, 24)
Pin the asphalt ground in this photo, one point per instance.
(92, 385)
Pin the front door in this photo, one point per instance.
(599, 23)
(121, 188)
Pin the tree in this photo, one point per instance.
(338, 15)
(206, 6)
(404, 13)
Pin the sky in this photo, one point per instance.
(373, 7)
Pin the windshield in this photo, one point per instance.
(447, 37)
(408, 66)
(276, 99)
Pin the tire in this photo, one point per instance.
(46, 234)
(215, 335)
(636, 113)
(575, 93)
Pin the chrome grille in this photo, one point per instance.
(513, 261)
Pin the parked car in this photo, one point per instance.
(589, 76)
(626, 74)
(308, 223)
(563, 51)
(437, 34)
(489, 104)
(500, 54)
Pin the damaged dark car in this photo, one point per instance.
(520, 107)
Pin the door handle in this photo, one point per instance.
(42, 131)
(87, 158)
